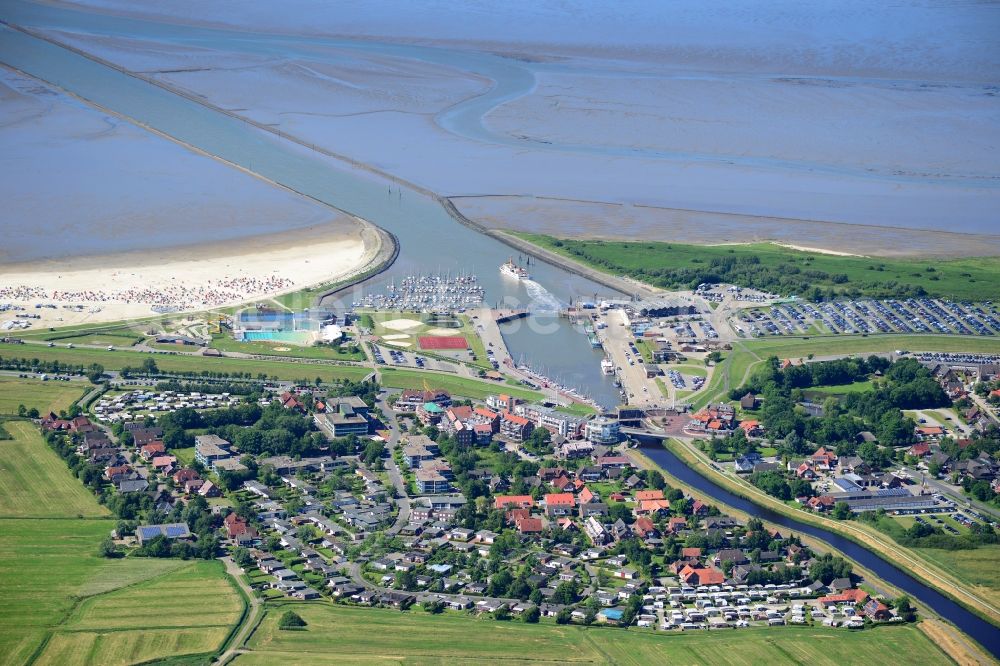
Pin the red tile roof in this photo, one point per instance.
(560, 499)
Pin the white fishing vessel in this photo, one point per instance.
(510, 269)
(608, 366)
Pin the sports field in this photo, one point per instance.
(35, 482)
(43, 396)
(338, 634)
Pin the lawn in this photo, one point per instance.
(43, 396)
(337, 634)
(972, 279)
(462, 386)
(36, 483)
(184, 456)
(690, 370)
(843, 389)
(577, 408)
(115, 360)
(225, 342)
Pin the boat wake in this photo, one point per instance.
(542, 300)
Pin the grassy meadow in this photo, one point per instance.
(337, 635)
(462, 386)
(672, 265)
(189, 610)
(43, 396)
(115, 360)
(35, 482)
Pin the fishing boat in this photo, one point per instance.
(513, 270)
(608, 366)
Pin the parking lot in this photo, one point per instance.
(870, 317)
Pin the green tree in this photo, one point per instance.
(842, 511)
(291, 620)
(108, 548)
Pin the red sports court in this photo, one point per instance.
(443, 342)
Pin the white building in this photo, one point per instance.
(602, 430)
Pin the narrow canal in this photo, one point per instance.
(982, 631)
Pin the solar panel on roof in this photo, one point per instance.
(176, 530)
(892, 492)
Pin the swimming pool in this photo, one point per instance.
(293, 337)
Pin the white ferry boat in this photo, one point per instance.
(510, 269)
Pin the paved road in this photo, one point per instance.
(252, 616)
(392, 469)
(616, 344)
(952, 492)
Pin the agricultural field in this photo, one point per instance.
(338, 635)
(36, 599)
(63, 603)
(43, 396)
(35, 482)
(462, 386)
(766, 266)
(185, 611)
(185, 363)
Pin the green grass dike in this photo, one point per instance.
(782, 270)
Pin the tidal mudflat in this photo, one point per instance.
(776, 115)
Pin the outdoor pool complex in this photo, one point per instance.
(292, 337)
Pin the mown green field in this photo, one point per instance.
(225, 343)
(35, 482)
(462, 386)
(856, 387)
(63, 603)
(115, 360)
(185, 611)
(338, 635)
(43, 396)
(671, 265)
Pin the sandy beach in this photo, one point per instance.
(139, 284)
